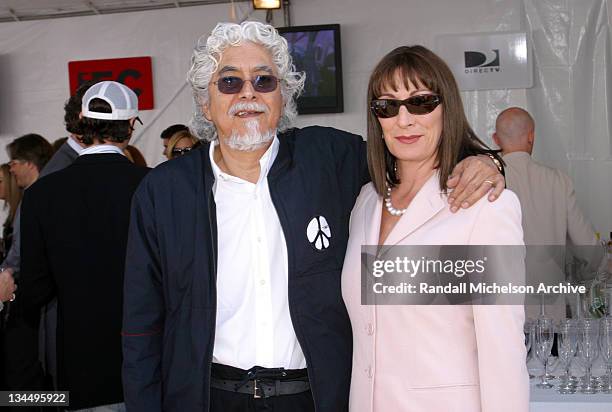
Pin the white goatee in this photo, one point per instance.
(253, 139)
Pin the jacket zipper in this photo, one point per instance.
(213, 243)
(281, 211)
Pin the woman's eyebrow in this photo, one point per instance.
(423, 89)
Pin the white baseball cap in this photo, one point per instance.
(122, 100)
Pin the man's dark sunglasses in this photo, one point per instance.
(420, 104)
(264, 83)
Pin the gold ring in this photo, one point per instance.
(489, 181)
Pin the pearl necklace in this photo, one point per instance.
(393, 211)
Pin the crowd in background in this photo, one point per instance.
(177, 140)
(28, 344)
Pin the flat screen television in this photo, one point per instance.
(316, 51)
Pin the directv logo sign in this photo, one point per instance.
(488, 61)
(478, 62)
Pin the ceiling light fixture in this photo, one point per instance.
(266, 4)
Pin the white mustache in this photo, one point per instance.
(246, 107)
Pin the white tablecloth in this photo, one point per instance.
(548, 400)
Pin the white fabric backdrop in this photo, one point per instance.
(570, 101)
(572, 96)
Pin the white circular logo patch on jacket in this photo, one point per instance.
(318, 233)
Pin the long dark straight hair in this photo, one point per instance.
(421, 67)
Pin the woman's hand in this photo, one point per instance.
(473, 178)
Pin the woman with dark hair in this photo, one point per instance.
(11, 194)
(415, 357)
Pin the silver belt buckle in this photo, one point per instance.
(255, 388)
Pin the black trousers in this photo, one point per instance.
(226, 401)
(21, 370)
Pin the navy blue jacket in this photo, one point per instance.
(170, 280)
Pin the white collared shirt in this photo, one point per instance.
(74, 145)
(253, 323)
(101, 148)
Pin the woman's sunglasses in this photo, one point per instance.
(180, 152)
(420, 104)
(264, 83)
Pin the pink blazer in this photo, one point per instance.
(435, 358)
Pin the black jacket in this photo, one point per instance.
(170, 293)
(74, 226)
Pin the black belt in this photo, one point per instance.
(259, 382)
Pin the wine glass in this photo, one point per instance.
(529, 331)
(605, 343)
(545, 335)
(588, 342)
(566, 348)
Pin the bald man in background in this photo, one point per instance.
(550, 212)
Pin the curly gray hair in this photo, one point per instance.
(205, 62)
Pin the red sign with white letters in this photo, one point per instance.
(134, 72)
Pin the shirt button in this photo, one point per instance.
(262, 282)
(370, 329)
(369, 372)
(258, 239)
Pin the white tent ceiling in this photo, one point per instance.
(21, 10)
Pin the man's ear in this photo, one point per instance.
(206, 111)
(496, 140)
(531, 137)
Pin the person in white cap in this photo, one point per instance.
(74, 235)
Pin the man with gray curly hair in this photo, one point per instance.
(232, 287)
(205, 63)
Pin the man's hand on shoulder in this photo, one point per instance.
(473, 178)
